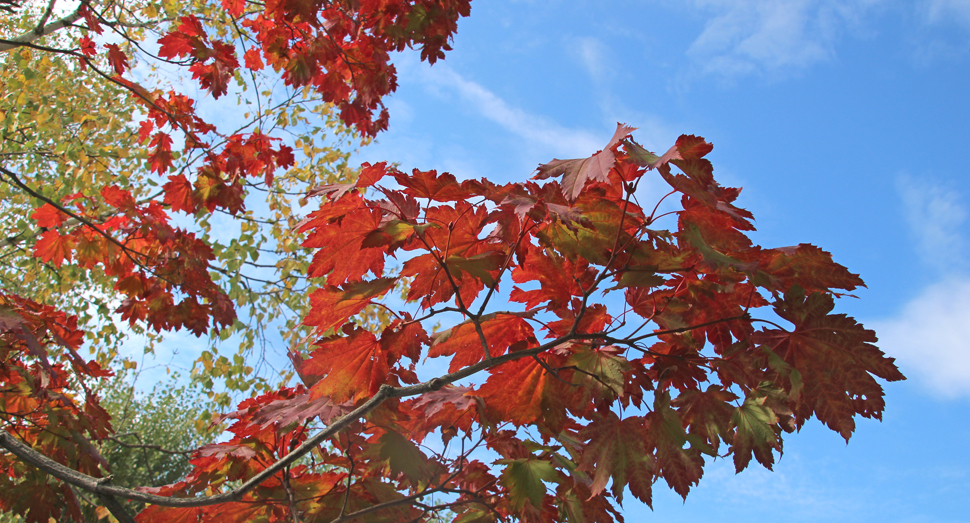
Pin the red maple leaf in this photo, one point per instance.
(176, 44)
(331, 306)
(341, 226)
(350, 366)
(559, 279)
(161, 152)
(503, 333)
(117, 58)
(90, 19)
(525, 392)
(54, 248)
(48, 216)
(234, 7)
(617, 450)
(179, 194)
(118, 198)
(88, 48)
(252, 59)
(836, 359)
(428, 184)
(575, 173)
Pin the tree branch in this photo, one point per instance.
(40, 31)
(109, 502)
(158, 448)
(91, 484)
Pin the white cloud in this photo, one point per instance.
(592, 55)
(768, 36)
(936, 218)
(533, 128)
(928, 336)
(929, 340)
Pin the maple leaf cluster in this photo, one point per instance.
(621, 355)
(46, 402)
(161, 270)
(341, 50)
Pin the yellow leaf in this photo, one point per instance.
(150, 11)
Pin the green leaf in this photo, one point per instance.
(524, 479)
(754, 433)
(404, 457)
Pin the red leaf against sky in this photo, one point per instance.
(559, 279)
(179, 194)
(344, 259)
(457, 231)
(161, 152)
(117, 58)
(215, 75)
(90, 19)
(176, 44)
(88, 47)
(575, 173)
(524, 392)
(836, 358)
(404, 338)
(617, 449)
(234, 7)
(119, 198)
(253, 60)
(428, 184)
(371, 174)
(807, 266)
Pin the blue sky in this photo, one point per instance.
(846, 121)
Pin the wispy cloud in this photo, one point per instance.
(468, 109)
(772, 36)
(592, 55)
(531, 127)
(946, 11)
(936, 218)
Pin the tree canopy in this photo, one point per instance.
(594, 343)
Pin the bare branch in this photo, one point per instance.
(116, 439)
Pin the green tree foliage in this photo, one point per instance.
(68, 131)
(155, 431)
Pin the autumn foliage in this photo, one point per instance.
(590, 344)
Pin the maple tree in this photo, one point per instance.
(636, 342)
(54, 147)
